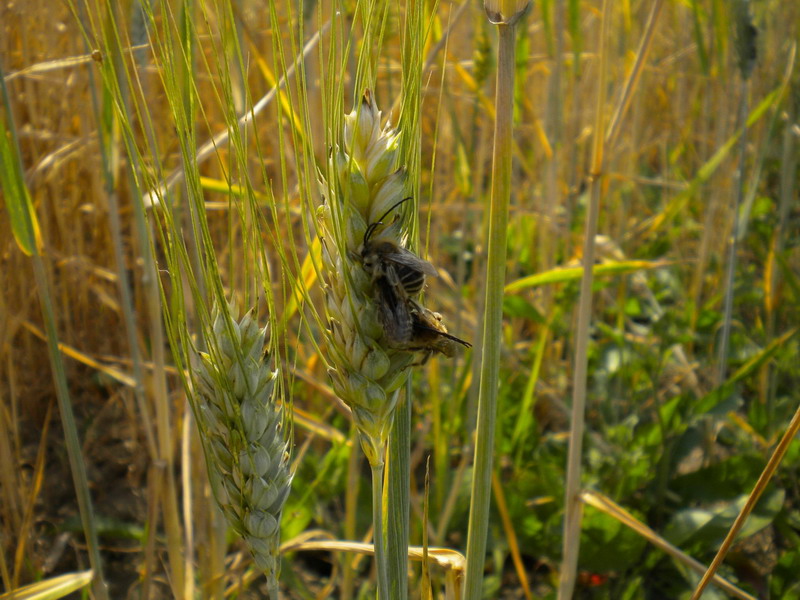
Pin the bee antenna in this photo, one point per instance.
(395, 205)
(368, 232)
(373, 226)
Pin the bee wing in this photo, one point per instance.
(404, 257)
(430, 323)
(458, 340)
(420, 326)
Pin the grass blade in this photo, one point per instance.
(29, 239)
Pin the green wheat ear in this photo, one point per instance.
(241, 428)
(365, 182)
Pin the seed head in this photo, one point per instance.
(366, 183)
(241, 428)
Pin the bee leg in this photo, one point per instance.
(426, 356)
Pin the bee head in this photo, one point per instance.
(369, 258)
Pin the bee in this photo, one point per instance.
(402, 269)
(429, 335)
(409, 326)
(398, 275)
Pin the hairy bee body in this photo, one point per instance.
(409, 326)
(386, 258)
(429, 335)
(398, 324)
(399, 266)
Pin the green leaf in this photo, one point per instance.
(717, 397)
(784, 582)
(515, 306)
(710, 526)
(563, 275)
(704, 173)
(718, 482)
(602, 533)
(22, 217)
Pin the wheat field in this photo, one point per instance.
(179, 155)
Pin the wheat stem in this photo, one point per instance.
(398, 498)
(378, 527)
(493, 308)
(573, 507)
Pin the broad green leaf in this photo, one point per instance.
(515, 306)
(710, 525)
(679, 202)
(600, 532)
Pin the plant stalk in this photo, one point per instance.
(573, 507)
(493, 314)
(763, 480)
(378, 528)
(272, 584)
(730, 268)
(398, 498)
(72, 443)
(24, 223)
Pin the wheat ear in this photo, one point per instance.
(241, 428)
(366, 183)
